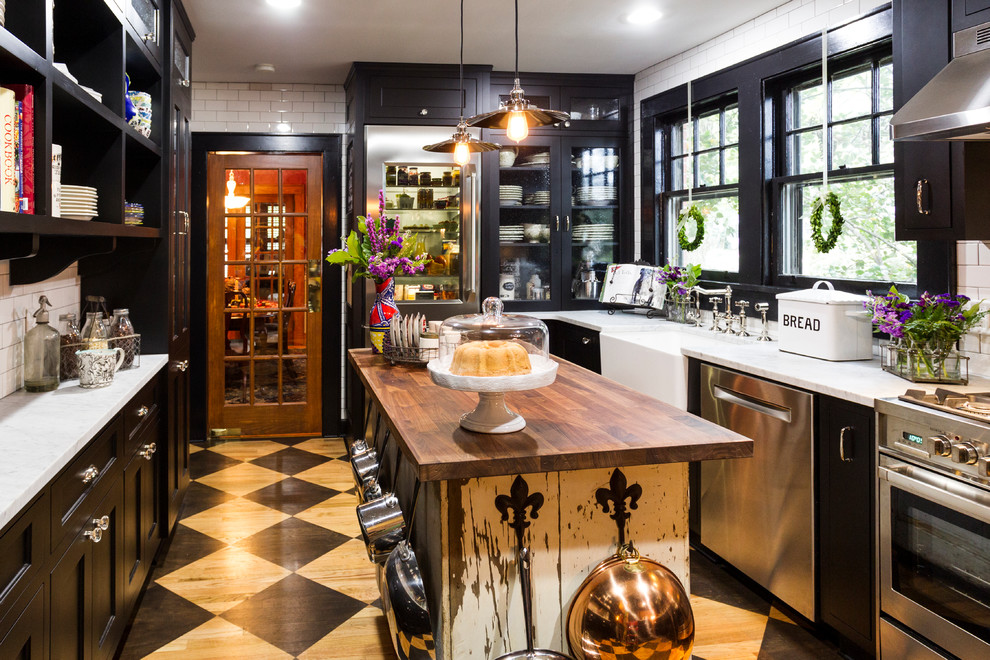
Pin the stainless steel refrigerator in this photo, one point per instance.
(441, 209)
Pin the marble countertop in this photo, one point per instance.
(40, 433)
(856, 381)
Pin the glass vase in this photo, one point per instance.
(926, 362)
(677, 309)
(381, 314)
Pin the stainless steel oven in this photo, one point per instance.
(934, 537)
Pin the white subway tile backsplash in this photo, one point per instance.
(227, 95)
(248, 95)
(967, 253)
(983, 253)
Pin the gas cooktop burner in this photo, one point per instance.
(975, 405)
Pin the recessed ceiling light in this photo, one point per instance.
(641, 16)
(264, 68)
(285, 4)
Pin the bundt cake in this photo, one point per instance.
(490, 358)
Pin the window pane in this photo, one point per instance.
(852, 144)
(732, 125)
(866, 250)
(807, 101)
(709, 134)
(886, 85)
(806, 153)
(683, 174)
(720, 249)
(708, 169)
(732, 165)
(852, 94)
(886, 144)
(682, 136)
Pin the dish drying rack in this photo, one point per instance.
(410, 354)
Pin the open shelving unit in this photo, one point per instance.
(98, 43)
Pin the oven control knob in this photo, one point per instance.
(941, 445)
(985, 466)
(965, 453)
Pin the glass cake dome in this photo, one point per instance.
(492, 330)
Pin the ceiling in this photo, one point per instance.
(317, 42)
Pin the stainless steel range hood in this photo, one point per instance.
(955, 104)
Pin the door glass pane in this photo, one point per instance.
(180, 60)
(294, 191)
(236, 382)
(267, 238)
(294, 332)
(939, 560)
(266, 192)
(237, 238)
(237, 197)
(594, 212)
(144, 11)
(266, 381)
(294, 238)
(294, 380)
(594, 109)
(236, 332)
(265, 333)
(524, 223)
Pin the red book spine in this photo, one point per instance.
(25, 94)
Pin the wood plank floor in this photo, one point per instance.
(267, 562)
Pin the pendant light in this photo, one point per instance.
(518, 115)
(462, 144)
(232, 201)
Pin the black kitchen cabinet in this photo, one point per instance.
(560, 201)
(576, 344)
(413, 94)
(88, 587)
(846, 478)
(940, 191)
(968, 13)
(142, 510)
(22, 632)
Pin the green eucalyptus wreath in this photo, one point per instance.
(826, 244)
(699, 232)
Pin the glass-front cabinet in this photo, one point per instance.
(558, 203)
(427, 199)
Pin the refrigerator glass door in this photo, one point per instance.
(437, 203)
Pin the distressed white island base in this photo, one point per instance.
(579, 430)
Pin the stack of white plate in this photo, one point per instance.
(539, 198)
(510, 195)
(510, 233)
(587, 233)
(595, 195)
(539, 158)
(79, 202)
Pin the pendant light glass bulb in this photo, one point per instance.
(517, 128)
(462, 153)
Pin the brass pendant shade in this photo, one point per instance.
(462, 144)
(461, 136)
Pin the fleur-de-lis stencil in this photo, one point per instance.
(517, 501)
(617, 493)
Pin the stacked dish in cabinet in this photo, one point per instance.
(79, 202)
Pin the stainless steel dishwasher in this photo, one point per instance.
(758, 513)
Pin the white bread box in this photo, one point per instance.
(824, 323)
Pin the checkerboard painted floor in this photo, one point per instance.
(267, 562)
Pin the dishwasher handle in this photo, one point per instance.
(738, 398)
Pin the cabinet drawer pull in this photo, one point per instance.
(142, 411)
(557, 218)
(567, 223)
(180, 365)
(918, 194)
(90, 473)
(100, 525)
(842, 445)
(148, 450)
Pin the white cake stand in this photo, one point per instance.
(492, 415)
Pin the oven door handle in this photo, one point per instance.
(945, 491)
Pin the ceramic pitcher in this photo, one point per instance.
(98, 365)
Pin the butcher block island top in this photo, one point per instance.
(581, 421)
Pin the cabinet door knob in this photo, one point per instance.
(95, 535)
(423, 112)
(142, 411)
(585, 340)
(918, 195)
(842, 445)
(102, 523)
(90, 473)
(180, 365)
(184, 82)
(148, 450)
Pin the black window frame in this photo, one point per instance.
(751, 81)
(665, 142)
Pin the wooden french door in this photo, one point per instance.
(263, 264)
